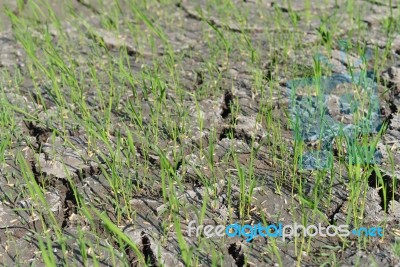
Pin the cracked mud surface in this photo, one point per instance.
(67, 159)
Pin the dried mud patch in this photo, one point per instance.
(147, 165)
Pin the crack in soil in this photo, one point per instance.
(385, 191)
(148, 252)
(215, 23)
(149, 257)
(70, 203)
(41, 134)
(88, 6)
(68, 200)
(227, 105)
(331, 218)
(234, 251)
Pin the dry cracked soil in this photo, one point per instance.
(66, 160)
